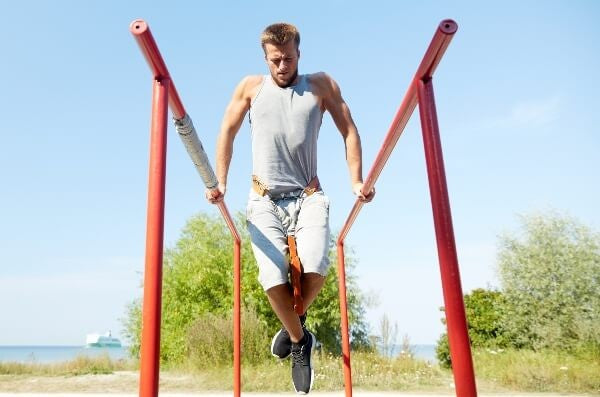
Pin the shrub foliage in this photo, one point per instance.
(550, 290)
(484, 323)
(198, 286)
(550, 276)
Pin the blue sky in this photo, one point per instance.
(517, 98)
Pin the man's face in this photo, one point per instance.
(283, 62)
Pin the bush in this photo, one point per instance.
(550, 296)
(210, 340)
(442, 352)
(550, 277)
(197, 280)
(483, 309)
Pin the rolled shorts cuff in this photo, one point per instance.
(268, 284)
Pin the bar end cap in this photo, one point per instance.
(448, 26)
(138, 26)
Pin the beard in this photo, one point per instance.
(290, 81)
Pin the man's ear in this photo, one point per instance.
(298, 53)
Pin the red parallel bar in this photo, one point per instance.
(150, 366)
(237, 329)
(437, 48)
(141, 32)
(150, 350)
(458, 337)
(440, 41)
(344, 320)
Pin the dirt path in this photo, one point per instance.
(125, 384)
(316, 394)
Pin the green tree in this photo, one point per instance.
(550, 276)
(198, 279)
(483, 309)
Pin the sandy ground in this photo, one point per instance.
(125, 384)
(223, 394)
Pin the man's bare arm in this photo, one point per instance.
(340, 112)
(232, 120)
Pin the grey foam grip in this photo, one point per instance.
(189, 137)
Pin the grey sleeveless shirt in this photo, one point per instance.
(284, 123)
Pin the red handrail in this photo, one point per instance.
(152, 291)
(141, 32)
(434, 53)
(420, 91)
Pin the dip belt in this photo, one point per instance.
(295, 265)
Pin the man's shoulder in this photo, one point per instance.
(322, 82)
(252, 80)
(318, 78)
(248, 85)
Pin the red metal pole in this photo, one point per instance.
(143, 36)
(237, 323)
(150, 350)
(141, 32)
(440, 41)
(237, 329)
(458, 337)
(344, 320)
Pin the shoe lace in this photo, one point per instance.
(298, 356)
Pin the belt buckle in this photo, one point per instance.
(261, 190)
(310, 190)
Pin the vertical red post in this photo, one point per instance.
(458, 338)
(237, 327)
(237, 290)
(344, 319)
(150, 350)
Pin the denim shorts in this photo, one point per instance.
(268, 222)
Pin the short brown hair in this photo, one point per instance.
(280, 34)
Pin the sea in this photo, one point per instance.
(54, 354)
(422, 352)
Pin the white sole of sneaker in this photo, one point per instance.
(273, 346)
(312, 371)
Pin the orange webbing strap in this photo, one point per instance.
(296, 270)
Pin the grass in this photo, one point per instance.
(545, 371)
(497, 371)
(369, 371)
(81, 365)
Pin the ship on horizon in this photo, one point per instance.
(102, 340)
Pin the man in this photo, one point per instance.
(286, 111)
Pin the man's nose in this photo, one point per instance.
(283, 66)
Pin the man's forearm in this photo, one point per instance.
(224, 154)
(354, 157)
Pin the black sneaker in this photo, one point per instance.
(303, 374)
(281, 344)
